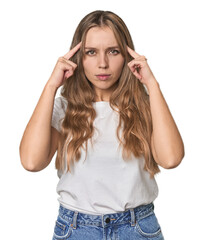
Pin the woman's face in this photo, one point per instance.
(102, 61)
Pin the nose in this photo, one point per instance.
(102, 61)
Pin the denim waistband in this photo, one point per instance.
(104, 220)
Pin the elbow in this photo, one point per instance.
(172, 163)
(174, 156)
(27, 165)
(174, 160)
(31, 161)
(30, 165)
(28, 162)
(25, 160)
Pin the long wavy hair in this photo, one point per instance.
(130, 99)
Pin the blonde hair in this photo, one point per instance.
(129, 98)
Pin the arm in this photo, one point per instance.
(166, 143)
(40, 140)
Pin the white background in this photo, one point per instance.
(33, 35)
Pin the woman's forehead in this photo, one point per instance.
(98, 36)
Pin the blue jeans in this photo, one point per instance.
(137, 223)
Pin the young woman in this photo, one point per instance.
(112, 129)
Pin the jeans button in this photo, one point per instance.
(107, 220)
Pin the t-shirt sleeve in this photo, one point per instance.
(58, 114)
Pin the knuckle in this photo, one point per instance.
(60, 64)
(73, 69)
(143, 57)
(71, 73)
(60, 59)
(72, 65)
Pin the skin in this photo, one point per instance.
(166, 143)
(102, 55)
(40, 140)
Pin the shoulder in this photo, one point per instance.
(60, 103)
(59, 111)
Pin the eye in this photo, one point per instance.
(114, 52)
(90, 52)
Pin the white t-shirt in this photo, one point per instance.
(103, 183)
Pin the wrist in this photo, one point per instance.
(51, 87)
(152, 84)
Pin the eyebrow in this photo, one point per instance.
(106, 48)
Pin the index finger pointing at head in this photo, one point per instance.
(132, 53)
(72, 51)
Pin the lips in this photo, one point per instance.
(103, 76)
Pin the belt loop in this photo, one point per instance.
(74, 224)
(132, 217)
(102, 216)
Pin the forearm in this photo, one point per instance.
(35, 143)
(167, 140)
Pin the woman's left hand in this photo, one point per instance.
(140, 68)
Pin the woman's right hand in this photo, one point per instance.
(64, 68)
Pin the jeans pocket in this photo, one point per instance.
(148, 226)
(62, 230)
